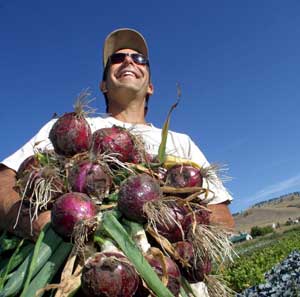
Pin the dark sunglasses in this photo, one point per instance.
(120, 57)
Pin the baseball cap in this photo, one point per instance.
(124, 38)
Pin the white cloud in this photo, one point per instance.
(272, 191)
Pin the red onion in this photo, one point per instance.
(90, 178)
(135, 192)
(180, 176)
(172, 271)
(70, 208)
(171, 227)
(199, 216)
(28, 165)
(109, 274)
(45, 179)
(198, 267)
(113, 140)
(71, 134)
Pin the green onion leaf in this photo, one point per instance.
(111, 225)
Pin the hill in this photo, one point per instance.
(275, 210)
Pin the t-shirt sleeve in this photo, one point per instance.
(217, 192)
(39, 142)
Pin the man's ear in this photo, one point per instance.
(150, 89)
(102, 87)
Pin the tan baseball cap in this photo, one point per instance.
(124, 38)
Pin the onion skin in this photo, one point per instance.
(113, 140)
(198, 268)
(171, 227)
(90, 178)
(181, 176)
(196, 273)
(185, 250)
(29, 169)
(174, 275)
(199, 216)
(31, 172)
(71, 134)
(140, 156)
(28, 165)
(109, 274)
(135, 191)
(70, 208)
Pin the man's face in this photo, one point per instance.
(127, 76)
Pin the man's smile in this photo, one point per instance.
(127, 72)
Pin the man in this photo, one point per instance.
(127, 87)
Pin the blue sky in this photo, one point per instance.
(238, 63)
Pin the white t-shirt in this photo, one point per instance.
(178, 144)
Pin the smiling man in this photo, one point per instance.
(126, 86)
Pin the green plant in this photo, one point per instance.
(248, 270)
(259, 231)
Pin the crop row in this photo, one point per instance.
(248, 270)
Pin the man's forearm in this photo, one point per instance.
(221, 215)
(9, 208)
(8, 196)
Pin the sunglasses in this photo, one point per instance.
(120, 57)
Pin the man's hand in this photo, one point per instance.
(9, 207)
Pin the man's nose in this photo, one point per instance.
(128, 60)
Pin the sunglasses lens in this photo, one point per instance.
(120, 57)
(139, 59)
(117, 58)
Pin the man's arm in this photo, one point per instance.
(9, 207)
(221, 215)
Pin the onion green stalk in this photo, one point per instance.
(115, 230)
(33, 259)
(8, 242)
(3, 276)
(137, 233)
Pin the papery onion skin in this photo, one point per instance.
(174, 275)
(181, 176)
(114, 140)
(109, 274)
(171, 228)
(90, 178)
(197, 267)
(135, 191)
(71, 134)
(70, 208)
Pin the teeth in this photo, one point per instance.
(128, 73)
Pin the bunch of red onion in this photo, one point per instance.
(82, 176)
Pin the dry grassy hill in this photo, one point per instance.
(277, 210)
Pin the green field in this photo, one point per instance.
(258, 256)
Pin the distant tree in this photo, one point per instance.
(259, 231)
(255, 231)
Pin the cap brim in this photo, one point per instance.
(124, 38)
